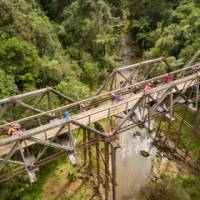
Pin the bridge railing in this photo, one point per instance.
(157, 95)
(90, 103)
(148, 69)
(162, 99)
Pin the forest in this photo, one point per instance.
(72, 45)
(59, 43)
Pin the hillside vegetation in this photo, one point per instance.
(66, 44)
(73, 44)
(167, 28)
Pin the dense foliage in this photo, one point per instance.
(167, 28)
(179, 188)
(72, 44)
(65, 44)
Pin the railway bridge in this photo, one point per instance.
(84, 139)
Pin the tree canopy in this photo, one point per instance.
(72, 45)
(52, 42)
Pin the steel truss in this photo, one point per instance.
(124, 76)
(30, 103)
(82, 134)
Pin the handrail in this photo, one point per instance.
(192, 69)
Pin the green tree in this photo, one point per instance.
(20, 60)
(7, 85)
(180, 38)
(45, 36)
(73, 88)
(54, 8)
(155, 11)
(178, 188)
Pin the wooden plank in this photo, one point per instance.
(191, 68)
(95, 114)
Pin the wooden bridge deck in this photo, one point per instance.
(109, 109)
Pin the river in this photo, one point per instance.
(133, 169)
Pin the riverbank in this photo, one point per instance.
(181, 186)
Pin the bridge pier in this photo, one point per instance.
(29, 160)
(99, 153)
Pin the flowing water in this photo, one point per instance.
(133, 169)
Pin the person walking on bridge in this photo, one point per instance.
(66, 115)
(15, 129)
(118, 98)
(147, 89)
(166, 78)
